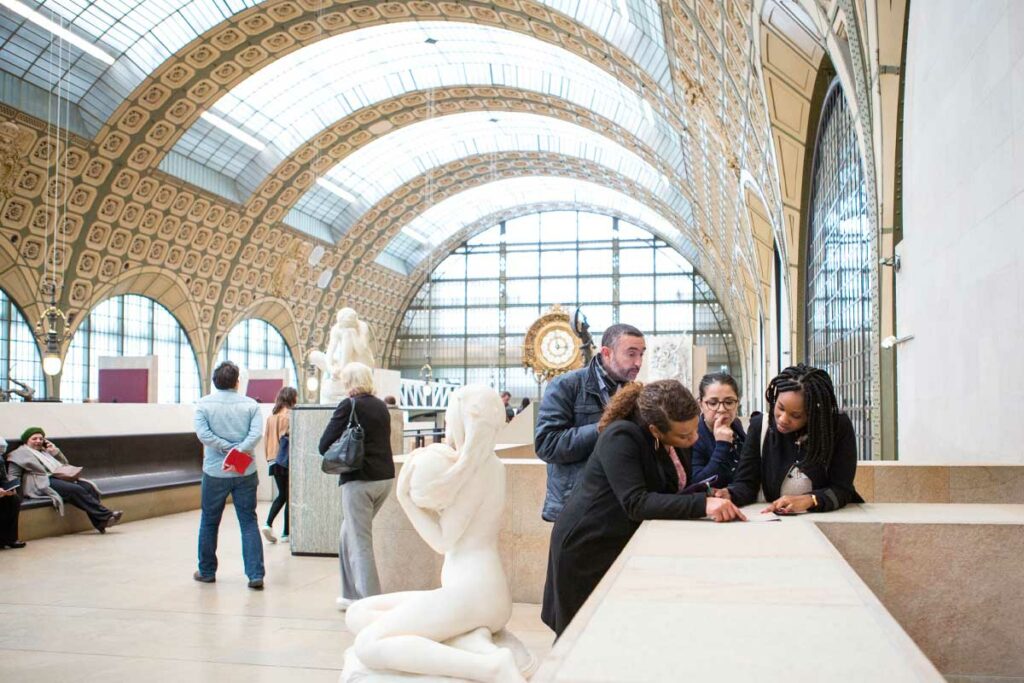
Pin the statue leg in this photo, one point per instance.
(364, 612)
(388, 642)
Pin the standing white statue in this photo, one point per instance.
(454, 496)
(350, 341)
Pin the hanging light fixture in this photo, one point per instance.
(54, 326)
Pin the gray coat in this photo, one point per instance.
(567, 432)
(35, 480)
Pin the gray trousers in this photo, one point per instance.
(360, 503)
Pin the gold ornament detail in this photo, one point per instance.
(550, 347)
(11, 158)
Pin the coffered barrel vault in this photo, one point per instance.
(206, 152)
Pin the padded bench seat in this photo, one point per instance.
(131, 464)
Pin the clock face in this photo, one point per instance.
(557, 347)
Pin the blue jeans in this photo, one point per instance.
(214, 495)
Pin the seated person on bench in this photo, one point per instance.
(46, 473)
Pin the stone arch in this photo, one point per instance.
(150, 121)
(286, 184)
(170, 291)
(275, 312)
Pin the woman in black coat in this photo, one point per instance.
(810, 451)
(364, 491)
(635, 473)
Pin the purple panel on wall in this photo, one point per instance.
(124, 385)
(264, 390)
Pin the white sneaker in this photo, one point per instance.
(285, 539)
(268, 534)
(343, 603)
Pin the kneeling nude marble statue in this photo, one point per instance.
(454, 495)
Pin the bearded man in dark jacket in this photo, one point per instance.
(572, 405)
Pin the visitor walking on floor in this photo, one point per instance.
(228, 423)
(364, 491)
(277, 447)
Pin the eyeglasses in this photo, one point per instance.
(728, 403)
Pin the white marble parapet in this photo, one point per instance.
(695, 600)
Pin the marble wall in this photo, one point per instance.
(960, 291)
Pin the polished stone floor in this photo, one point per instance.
(123, 606)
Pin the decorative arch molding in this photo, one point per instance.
(167, 289)
(275, 312)
(285, 186)
(20, 282)
(151, 120)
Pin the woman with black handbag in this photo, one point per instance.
(276, 445)
(363, 491)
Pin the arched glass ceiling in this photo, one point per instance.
(291, 100)
(448, 217)
(372, 172)
(139, 36)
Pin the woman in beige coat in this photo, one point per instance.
(275, 434)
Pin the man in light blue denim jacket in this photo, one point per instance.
(224, 420)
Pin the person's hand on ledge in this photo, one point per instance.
(721, 493)
(791, 505)
(721, 510)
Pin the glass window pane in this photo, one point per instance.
(483, 356)
(522, 264)
(839, 297)
(596, 262)
(555, 263)
(636, 288)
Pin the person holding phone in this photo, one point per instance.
(10, 505)
(720, 434)
(46, 473)
(639, 470)
(809, 457)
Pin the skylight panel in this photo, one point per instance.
(53, 27)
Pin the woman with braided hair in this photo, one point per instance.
(638, 471)
(809, 453)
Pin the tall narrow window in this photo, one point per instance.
(616, 271)
(19, 355)
(131, 325)
(839, 295)
(255, 344)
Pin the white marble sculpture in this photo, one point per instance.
(350, 341)
(454, 495)
(668, 357)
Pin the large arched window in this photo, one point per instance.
(255, 344)
(839, 266)
(472, 316)
(131, 325)
(19, 355)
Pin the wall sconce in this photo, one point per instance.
(893, 261)
(891, 341)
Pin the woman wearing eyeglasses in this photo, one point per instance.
(720, 434)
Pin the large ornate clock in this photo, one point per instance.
(551, 347)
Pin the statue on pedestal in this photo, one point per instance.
(454, 495)
(350, 341)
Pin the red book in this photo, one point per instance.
(237, 460)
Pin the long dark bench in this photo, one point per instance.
(131, 464)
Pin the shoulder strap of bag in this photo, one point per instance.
(352, 419)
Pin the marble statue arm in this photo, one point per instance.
(425, 522)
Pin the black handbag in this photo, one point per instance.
(347, 453)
